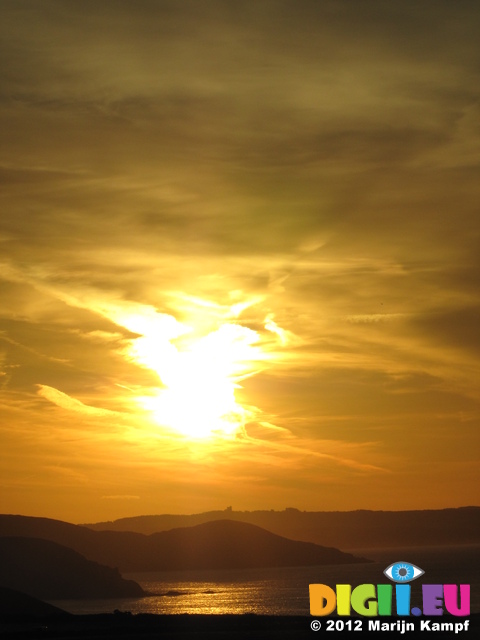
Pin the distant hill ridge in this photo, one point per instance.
(343, 529)
(221, 544)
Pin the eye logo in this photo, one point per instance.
(379, 600)
(403, 572)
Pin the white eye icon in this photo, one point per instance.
(403, 572)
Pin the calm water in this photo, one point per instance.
(284, 591)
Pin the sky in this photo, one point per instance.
(239, 256)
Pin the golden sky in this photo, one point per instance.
(239, 255)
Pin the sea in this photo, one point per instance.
(284, 591)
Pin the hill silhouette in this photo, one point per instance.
(224, 544)
(214, 545)
(45, 569)
(106, 547)
(15, 604)
(343, 529)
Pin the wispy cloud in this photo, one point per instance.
(64, 401)
(120, 497)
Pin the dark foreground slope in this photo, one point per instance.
(44, 569)
(205, 627)
(15, 605)
(212, 545)
(342, 529)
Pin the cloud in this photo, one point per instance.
(120, 497)
(306, 171)
(64, 401)
(374, 317)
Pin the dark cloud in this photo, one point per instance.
(452, 328)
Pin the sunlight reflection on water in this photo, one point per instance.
(281, 591)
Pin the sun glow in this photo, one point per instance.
(199, 375)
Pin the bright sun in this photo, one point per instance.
(199, 375)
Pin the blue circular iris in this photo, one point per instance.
(402, 572)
